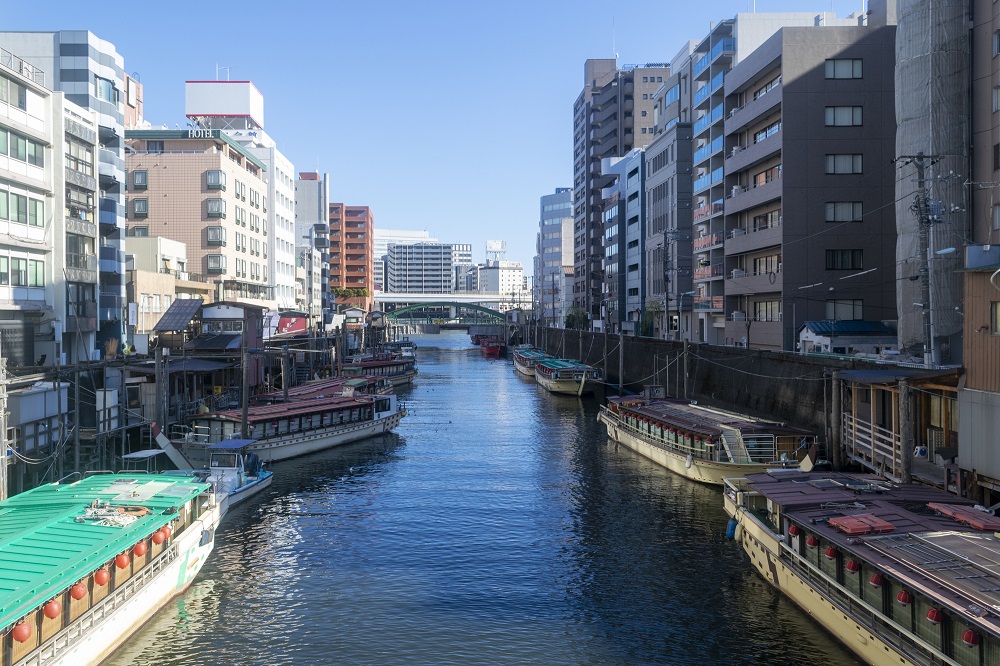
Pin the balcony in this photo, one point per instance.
(706, 211)
(112, 260)
(111, 305)
(110, 214)
(743, 157)
(710, 272)
(709, 88)
(727, 45)
(110, 167)
(703, 303)
(81, 317)
(707, 242)
(743, 198)
(706, 121)
(740, 282)
(708, 180)
(760, 333)
(741, 241)
(742, 116)
(708, 150)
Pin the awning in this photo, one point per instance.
(184, 365)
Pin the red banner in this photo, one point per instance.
(291, 325)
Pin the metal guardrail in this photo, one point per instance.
(27, 70)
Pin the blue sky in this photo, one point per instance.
(454, 117)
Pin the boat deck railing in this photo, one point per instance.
(84, 625)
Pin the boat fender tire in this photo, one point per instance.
(731, 528)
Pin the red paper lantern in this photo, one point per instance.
(875, 580)
(52, 609)
(122, 561)
(78, 591)
(102, 576)
(812, 541)
(904, 598)
(158, 537)
(934, 616)
(140, 549)
(793, 530)
(853, 566)
(969, 637)
(22, 632)
(167, 530)
(830, 552)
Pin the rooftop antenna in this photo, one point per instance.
(225, 67)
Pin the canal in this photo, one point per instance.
(497, 525)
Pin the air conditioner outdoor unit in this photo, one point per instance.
(739, 315)
(738, 273)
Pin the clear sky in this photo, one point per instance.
(454, 117)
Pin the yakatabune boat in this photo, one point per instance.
(560, 375)
(525, 359)
(901, 574)
(84, 564)
(702, 443)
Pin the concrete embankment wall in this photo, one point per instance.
(794, 388)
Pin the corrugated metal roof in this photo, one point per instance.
(178, 315)
(44, 549)
(841, 327)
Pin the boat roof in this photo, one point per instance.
(44, 548)
(284, 410)
(231, 444)
(921, 536)
(320, 388)
(703, 419)
(532, 353)
(143, 455)
(561, 363)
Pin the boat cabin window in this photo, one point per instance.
(223, 460)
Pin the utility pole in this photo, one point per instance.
(924, 228)
(245, 392)
(284, 371)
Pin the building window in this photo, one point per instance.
(140, 207)
(836, 164)
(36, 273)
(13, 93)
(18, 208)
(216, 208)
(843, 116)
(847, 309)
(762, 134)
(766, 176)
(36, 153)
(154, 146)
(843, 68)
(767, 265)
(216, 236)
(140, 179)
(996, 43)
(139, 232)
(844, 260)
(36, 213)
(216, 263)
(994, 310)
(767, 311)
(843, 211)
(106, 90)
(215, 179)
(18, 272)
(4, 270)
(996, 217)
(79, 157)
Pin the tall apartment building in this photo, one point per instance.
(237, 109)
(624, 262)
(809, 222)
(91, 74)
(551, 291)
(312, 230)
(611, 116)
(727, 43)
(383, 237)
(204, 189)
(352, 248)
(48, 189)
(423, 268)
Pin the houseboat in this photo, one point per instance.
(560, 375)
(491, 348)
(323, 388)
(525, 359)
(702, 443)
(291, 429)
(400, 371)
(900, 573)
(85, 563)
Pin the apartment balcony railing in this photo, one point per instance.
(709, 88)
(727, 44)
(709, 272)
(707, 210)
(708, 150)
(709, 179)
(84, 262)
(705, 121)
(709, 241)
(709, 302)
(15, 64)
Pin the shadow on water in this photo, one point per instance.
(497, 525)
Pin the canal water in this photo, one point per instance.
(497, 525)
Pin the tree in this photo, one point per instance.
(576, 318)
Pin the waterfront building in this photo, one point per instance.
(156, 276)
(553, 256)
(91, 74)
(424, 268)
(206, 190)
(382, 239)
(352, 255)
(312, 230)
(611, 116)
(624, 262)
(48, 264)
(809, 229)
(236, 108)
(727, 43)
(309, 282)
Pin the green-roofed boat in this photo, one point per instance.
(84, 564)
(561, 375)
(525, 358)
